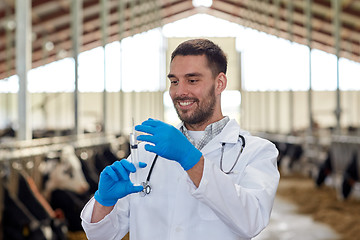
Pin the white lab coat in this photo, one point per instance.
(224, 206)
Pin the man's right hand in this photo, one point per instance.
(115, 183)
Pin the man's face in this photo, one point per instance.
(192, 89)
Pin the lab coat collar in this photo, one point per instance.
(230, 134)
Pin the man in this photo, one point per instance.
(211, 179)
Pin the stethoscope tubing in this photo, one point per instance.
(147, 187)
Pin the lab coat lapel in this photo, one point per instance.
(230, 134)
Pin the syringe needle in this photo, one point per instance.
(133, 125)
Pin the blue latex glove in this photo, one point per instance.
(115, 183)
(168, 142)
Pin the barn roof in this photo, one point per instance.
(292, 20)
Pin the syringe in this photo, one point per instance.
(134, 156)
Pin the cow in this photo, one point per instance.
(65, 186)
(350, 176)
(27, 215)
(65, 174)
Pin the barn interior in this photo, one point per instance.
(55, 108)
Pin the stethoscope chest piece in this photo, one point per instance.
(147, 188)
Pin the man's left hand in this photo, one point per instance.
(168, 142)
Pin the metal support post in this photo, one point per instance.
(23, 65)
(104, 23)
(291, 92)
(76, 30)
(121, 10)
(308, 7)
(336, 5)
(9, 38)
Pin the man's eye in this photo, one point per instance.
(193, 80)
(174, 82)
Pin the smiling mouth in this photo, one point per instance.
(185, 103)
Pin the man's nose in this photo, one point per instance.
(182, 89)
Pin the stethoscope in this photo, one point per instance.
(146, 184)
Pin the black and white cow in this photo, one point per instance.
(66, 187)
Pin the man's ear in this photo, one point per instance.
(221, 82)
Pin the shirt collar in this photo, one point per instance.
(210, 132)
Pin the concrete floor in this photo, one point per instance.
(286, 224)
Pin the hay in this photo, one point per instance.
(323, 205)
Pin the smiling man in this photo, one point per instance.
(205, 179)
(195, 90)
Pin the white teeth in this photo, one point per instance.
(184, 103)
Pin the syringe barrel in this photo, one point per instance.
(135, 159)
(133, 141)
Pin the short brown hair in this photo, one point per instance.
(215, 56)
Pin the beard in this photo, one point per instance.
(203, 112)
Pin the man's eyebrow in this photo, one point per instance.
(195, 74)
(170, 75)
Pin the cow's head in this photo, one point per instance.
(67, 174)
